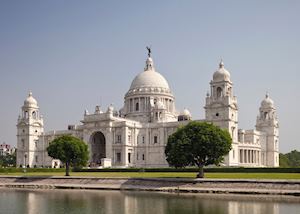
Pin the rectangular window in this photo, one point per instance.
(143, 157)
(36, 159)
(155, 139)
(23, 143)
(129, 139)
(118, 139)
(137, 156)
(118, 156)
(129, 157)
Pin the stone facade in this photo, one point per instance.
(136, 135)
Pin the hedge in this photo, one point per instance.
(194, 169)
(13, 170)
(189, 169)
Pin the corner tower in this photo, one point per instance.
(221, 109)
(267, 122)
(30, 127)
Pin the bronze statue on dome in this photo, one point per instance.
(149, 51)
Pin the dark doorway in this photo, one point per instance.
(98, 150)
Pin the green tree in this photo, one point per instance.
(8, 160)
(197, 144)
(293, 158)
(283, 160)
(69, 150)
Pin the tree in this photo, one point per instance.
(197, 144)
(283, 161)
(8, 160)
(69, 150)
(291, 159)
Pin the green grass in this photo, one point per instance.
(165, 175)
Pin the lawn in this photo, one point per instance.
(165, 175)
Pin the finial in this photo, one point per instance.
(207, 94)
(110, 108)
(97, 109)
(221, 64)
(149, 51)
(267, 94)
(149, 61)
(30, 94)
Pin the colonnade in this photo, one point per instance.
(143, 104)
(250, 156)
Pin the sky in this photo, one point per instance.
(74, 55)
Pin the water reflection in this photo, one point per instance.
(112, 202)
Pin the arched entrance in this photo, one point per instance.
(98, 150)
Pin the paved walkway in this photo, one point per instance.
(221, 186)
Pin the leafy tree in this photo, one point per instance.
(69, 150)
(283, 160)
(8, 160)
(293, 158)
(197, 143)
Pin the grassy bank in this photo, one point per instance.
(163, 175)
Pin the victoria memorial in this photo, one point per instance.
(136, 135)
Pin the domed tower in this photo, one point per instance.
(149, 98)
(221, 109)
(267, 122)
(30, 127)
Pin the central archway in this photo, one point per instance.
(98, 150)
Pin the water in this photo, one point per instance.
(114, 202)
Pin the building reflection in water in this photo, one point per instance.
(112, 202)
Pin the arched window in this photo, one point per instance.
(26, 114)
(137, 106)
(219, 92)
(34, 115)
(229, 91)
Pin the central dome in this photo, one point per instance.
(149, 78)
(149, 98)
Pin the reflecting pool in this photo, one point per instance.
(113, 202)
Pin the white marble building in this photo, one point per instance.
(136, 135)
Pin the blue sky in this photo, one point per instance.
(74, 55)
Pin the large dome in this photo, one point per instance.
(149, 78)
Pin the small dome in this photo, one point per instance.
(149, 78)
(184, 115)
(221, 74)
(267, 102)
(186, 112)
(30, 101)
